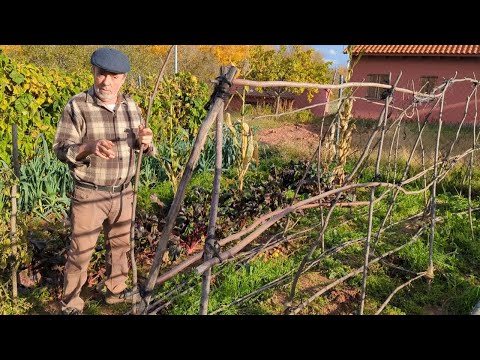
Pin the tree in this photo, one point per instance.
(71, 58)
(287, 63)
(145, 60)
(230, 54)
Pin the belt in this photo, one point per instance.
(113, 188)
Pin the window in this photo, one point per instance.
(427, 83)
(376, 92)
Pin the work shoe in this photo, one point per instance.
(71, 311)
(476, 309)
(127, 296)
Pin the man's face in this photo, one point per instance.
(107, 84)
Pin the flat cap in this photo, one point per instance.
(110, 60)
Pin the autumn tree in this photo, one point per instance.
(11, 49)
(230, 54)
(145, 60)
(287, 63)
(71, 58)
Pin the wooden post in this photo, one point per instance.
(210, 242)
(13, 214)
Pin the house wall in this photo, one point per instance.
(299, 101)
(236, 102)
(318, 98)
(412, 69)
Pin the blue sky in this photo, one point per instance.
(333, 53)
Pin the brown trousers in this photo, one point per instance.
(90, 210)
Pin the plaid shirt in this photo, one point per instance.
(86, 118)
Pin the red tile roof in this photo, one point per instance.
(468, 50)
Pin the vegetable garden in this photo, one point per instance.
(380, 218)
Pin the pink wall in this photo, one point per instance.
(320, 97)
(412, 69)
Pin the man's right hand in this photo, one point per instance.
(102, 148)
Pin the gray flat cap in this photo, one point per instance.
(111, 60)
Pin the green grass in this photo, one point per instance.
(231, 284)
(93, 307)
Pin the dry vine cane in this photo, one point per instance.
(135, 189)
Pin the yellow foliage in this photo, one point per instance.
(8, 49)
(158, 49)
(228, 54)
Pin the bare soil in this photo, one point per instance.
(302, 135)
(341, 300)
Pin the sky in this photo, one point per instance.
(333, 53)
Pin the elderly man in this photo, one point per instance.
(97, 136)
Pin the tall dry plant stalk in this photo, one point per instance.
(248, 145)
(339, 140)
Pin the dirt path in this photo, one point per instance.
(306, 135)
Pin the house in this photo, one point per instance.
(423, 67)
(289, 101)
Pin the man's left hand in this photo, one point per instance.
(145, 135)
